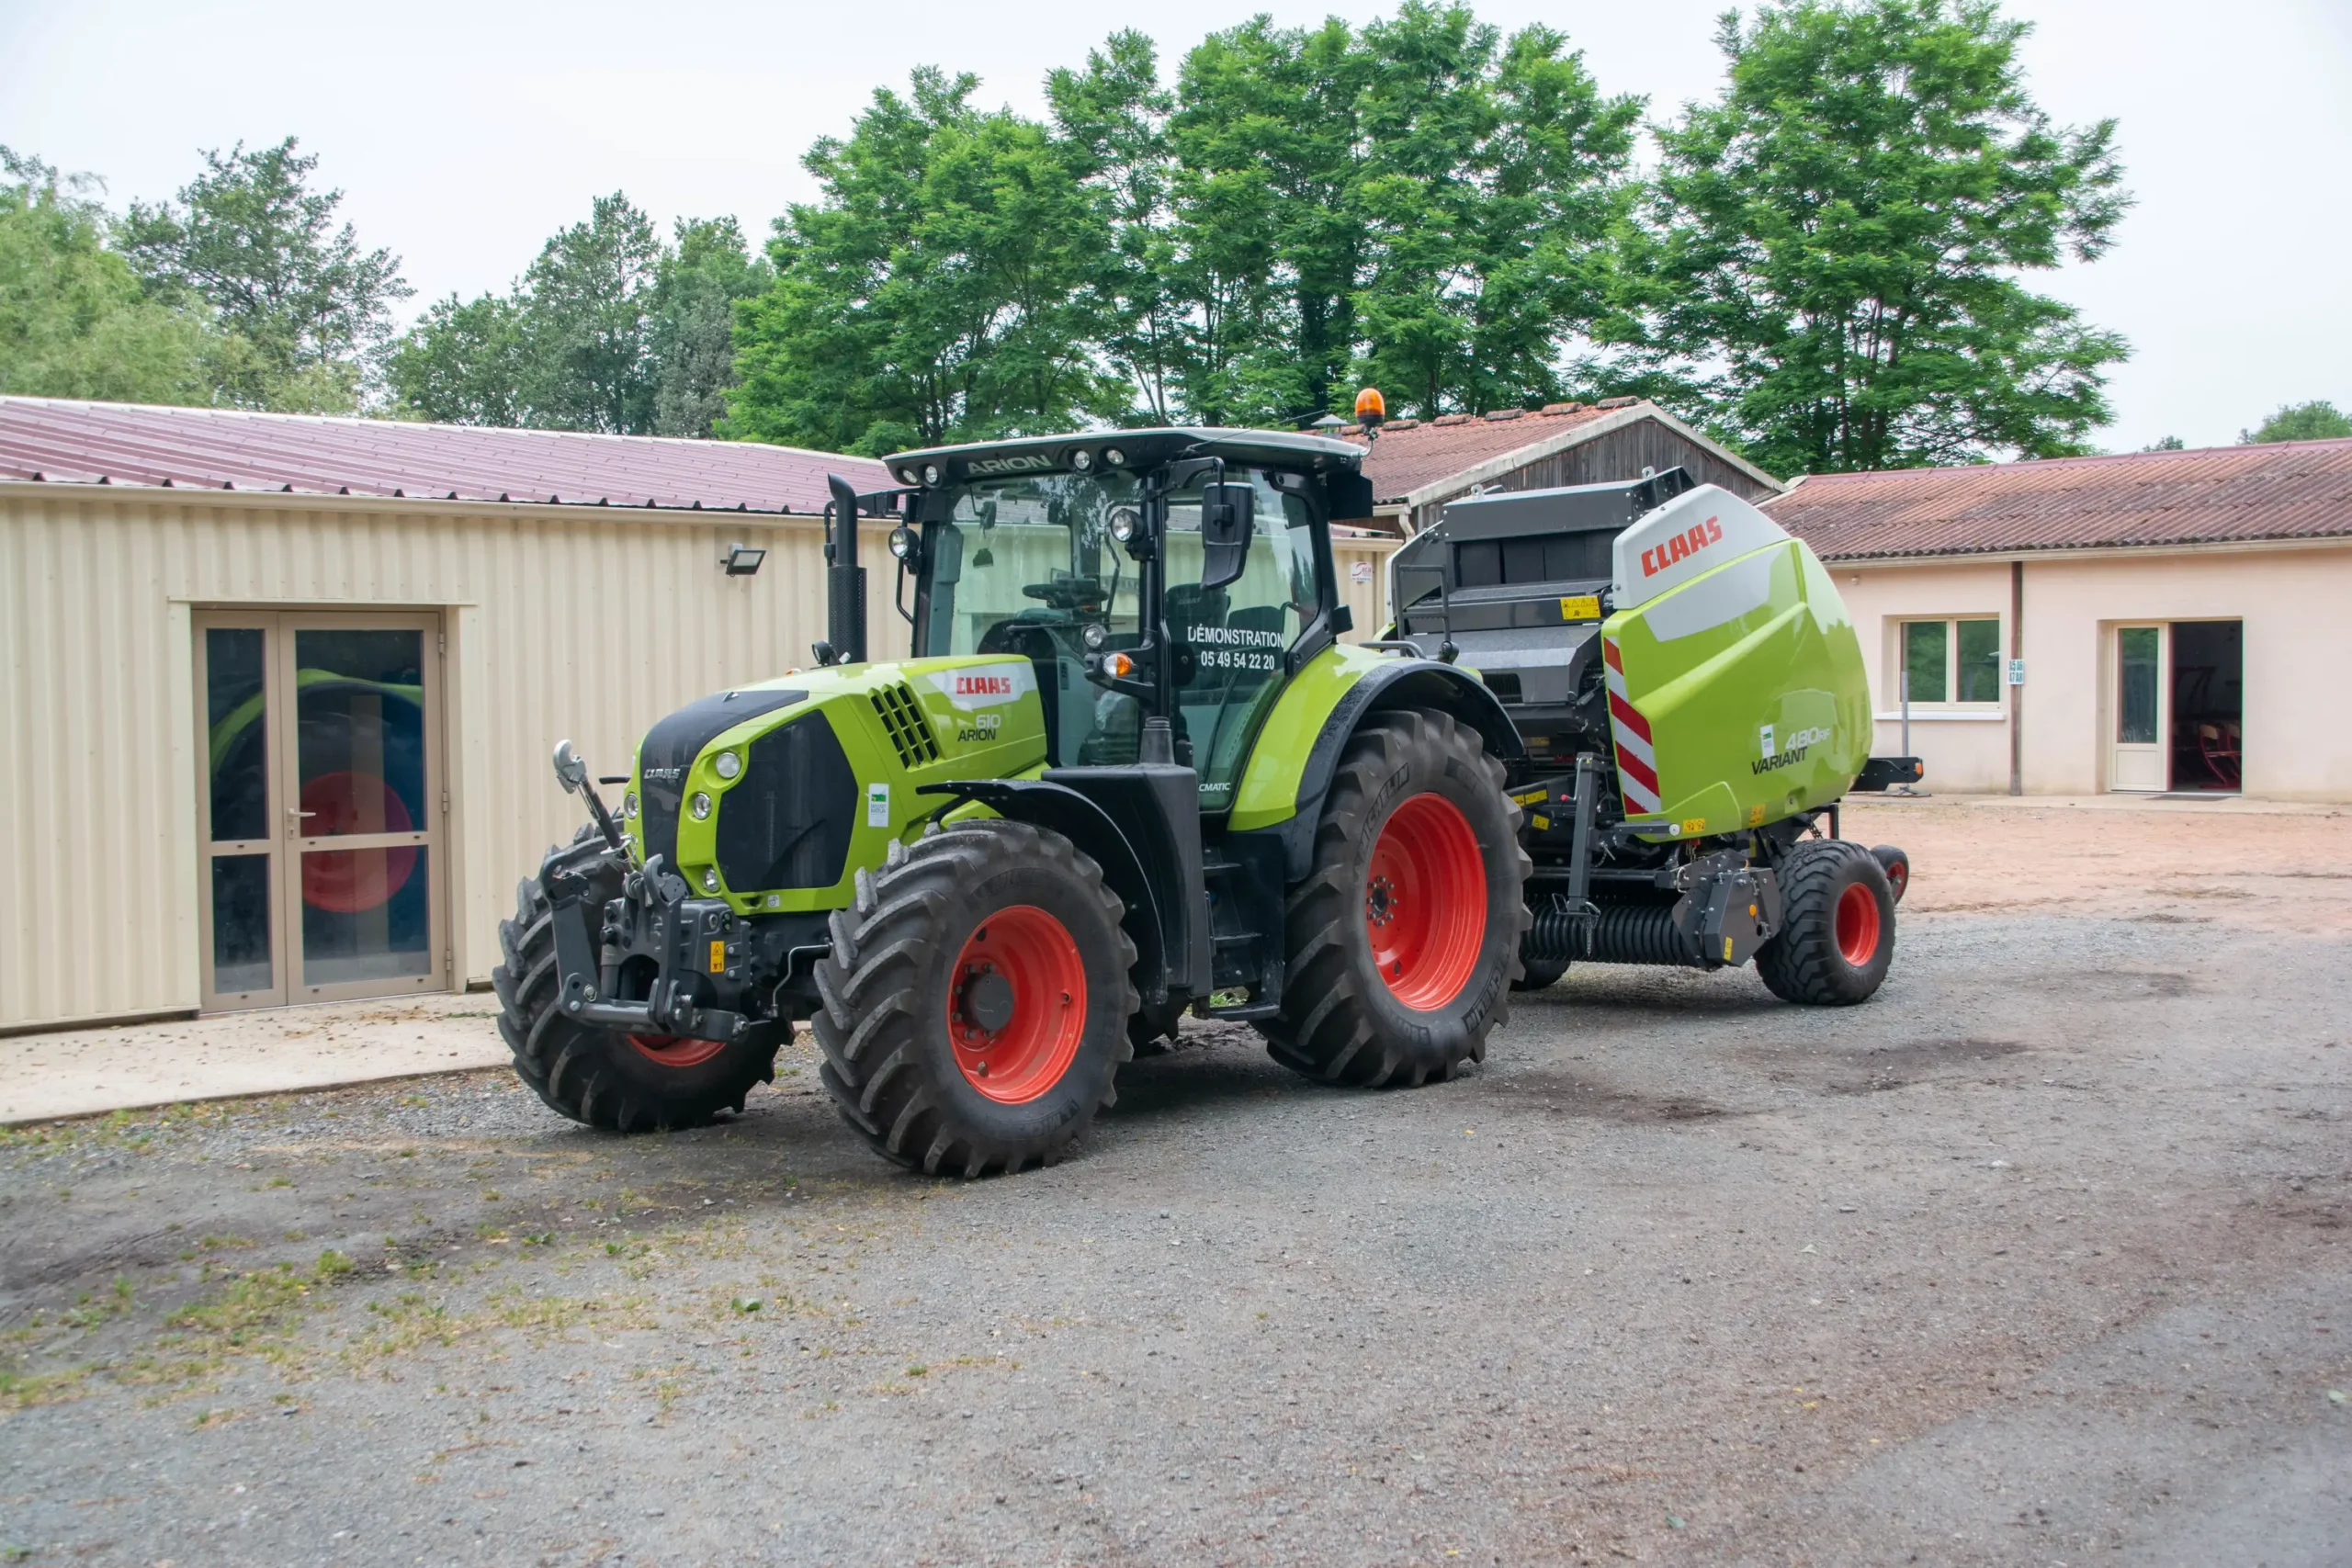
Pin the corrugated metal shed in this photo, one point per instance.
(66, 442)
(2300, 489)
(587, 620)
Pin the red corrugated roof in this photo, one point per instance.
(1414, 453)
(52, 439)
(2297, 489)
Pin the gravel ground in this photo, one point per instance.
(2039, 1258)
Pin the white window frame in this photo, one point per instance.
(1897, 649)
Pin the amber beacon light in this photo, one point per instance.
(1371, 408)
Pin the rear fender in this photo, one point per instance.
(1383, 687)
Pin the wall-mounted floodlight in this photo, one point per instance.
(742, 560)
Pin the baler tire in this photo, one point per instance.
(886, 989)
(1827, 884)
(1343, 1021)
(597, 1076)
(1897, 866)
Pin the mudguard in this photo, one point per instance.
(1283, 785)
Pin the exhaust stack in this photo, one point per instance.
(844, 580)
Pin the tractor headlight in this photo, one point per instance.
(710, 879)
(1094, 634)
(906, 476)
(1124, 520)
(1114, 456)
(931, 473)
(727, 764)
(902, 541)
(699, 805)
(1081, 459)
(628, 805)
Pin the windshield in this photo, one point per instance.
(1033, 551)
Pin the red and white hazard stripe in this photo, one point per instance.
(1636, 763)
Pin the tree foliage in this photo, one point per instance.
(2316, 421)
(609, 330)
(73, 321)
(1830, 256)
(1421, 201)
(250, 239)
(939, 289)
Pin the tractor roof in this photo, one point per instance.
(1141, 448)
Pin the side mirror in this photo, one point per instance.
(570, 768)
(1225, 514)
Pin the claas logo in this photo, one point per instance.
(1682, 547)
(984, 685)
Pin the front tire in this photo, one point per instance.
(599, 1078)
(1836, 935)
(1403, 939)
(976, 1002)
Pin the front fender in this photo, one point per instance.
(1066, 811)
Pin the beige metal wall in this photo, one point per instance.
(1368, 597)
(559, 621)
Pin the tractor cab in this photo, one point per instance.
(1179, 575)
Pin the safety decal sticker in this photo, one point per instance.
(976, 686)
(1636, 761)
(878, 806)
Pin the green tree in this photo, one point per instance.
(252, 240)
(1423, 203)
(464, 363)
(586, 299)
(691, 325)
(942, 287)
(1830, 257)
(2315, 420)
(74, 319)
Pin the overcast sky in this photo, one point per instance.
(464, 134)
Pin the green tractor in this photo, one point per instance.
(1131, 771)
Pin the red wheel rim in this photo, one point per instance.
(1857, 924)
(676, 1050)
(1016, 1005)
(1425, 902)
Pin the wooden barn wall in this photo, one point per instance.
(1620, 454)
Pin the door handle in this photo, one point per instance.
(294, 816)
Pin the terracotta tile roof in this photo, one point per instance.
(1411, 454)
(2300, 489)
(79, 443)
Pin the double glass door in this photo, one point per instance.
(323, 806)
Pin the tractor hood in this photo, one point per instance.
(767, 795)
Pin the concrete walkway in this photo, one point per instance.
(80, 1072)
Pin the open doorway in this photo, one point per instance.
(2207, 705)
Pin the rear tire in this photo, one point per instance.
(600, 1078)
(1404, 938)
(950, 1055)
(1836, 935)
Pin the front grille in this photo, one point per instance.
(670, 747)
(787, 822)
(909, 732)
